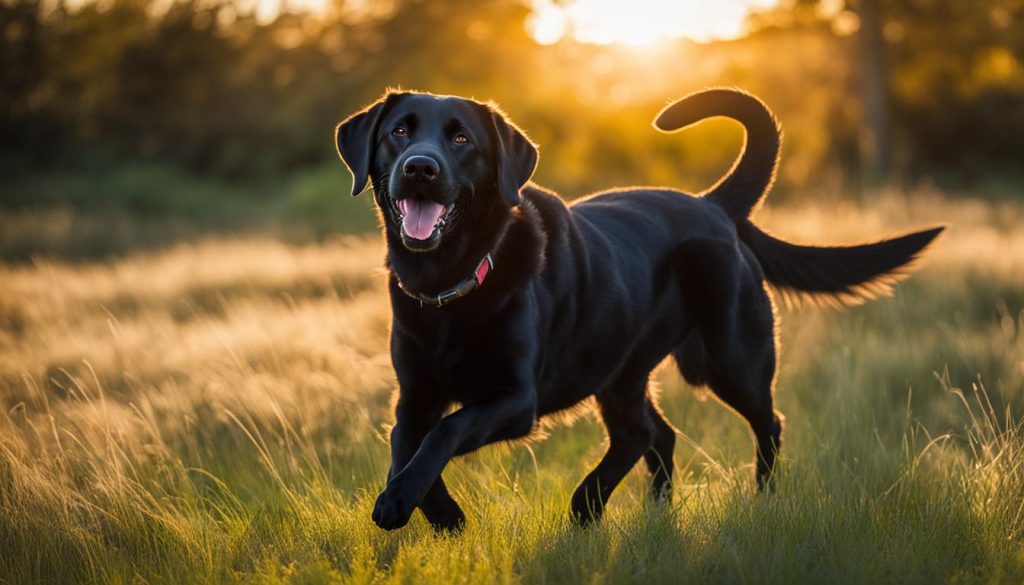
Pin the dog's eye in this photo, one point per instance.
(400, 131)
(461, 139)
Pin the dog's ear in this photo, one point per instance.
(516, 158)
(354, 138)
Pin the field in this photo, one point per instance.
(217, 412)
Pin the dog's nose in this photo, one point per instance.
(422, 168)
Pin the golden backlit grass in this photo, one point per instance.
(217, 412)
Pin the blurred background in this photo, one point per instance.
(136, 123)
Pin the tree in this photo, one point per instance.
(874, 88)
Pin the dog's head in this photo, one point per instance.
(435, 162)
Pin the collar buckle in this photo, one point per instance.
(448, 296)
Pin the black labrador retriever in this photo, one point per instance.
(514, 305)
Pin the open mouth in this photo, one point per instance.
(422, 220)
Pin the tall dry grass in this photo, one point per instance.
(216, 412)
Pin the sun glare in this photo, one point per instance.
(639, 22)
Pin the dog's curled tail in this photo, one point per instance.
(743, 188)
(835, 275)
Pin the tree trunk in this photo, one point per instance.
(875, 145)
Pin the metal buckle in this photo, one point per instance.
(447, 296)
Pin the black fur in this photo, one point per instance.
(742, 189)
(834, 274)
(585, 300)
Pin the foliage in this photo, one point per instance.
(88, 214)
(210, 88)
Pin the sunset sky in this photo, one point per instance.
(632, 22)
(639, 22)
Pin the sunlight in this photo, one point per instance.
(268, 10)
(639, 22)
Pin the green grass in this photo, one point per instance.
(113, 210)
(216, 412)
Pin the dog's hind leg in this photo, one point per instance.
(631, 434)
(659, 456)
(736, 325)
(749, 392)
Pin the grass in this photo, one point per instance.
(111, 210)
(216, 412)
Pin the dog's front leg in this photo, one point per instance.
(413, 420)
(467, 429)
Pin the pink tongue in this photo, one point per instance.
(421, 215)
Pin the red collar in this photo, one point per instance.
(463, 288)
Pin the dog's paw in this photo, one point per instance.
(447, 521)
(393, 508)
(586, 509)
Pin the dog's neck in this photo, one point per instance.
(512, 237)
(456, 257)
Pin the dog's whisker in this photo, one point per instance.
(377, 185)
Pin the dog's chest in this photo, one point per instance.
(464, 360)
(447, 347)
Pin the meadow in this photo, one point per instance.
(216, 411)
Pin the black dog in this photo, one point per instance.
(512, 304)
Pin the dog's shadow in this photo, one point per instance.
(662, 542)
(620, 548)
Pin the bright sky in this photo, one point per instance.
(640, 22)
(632, 22)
